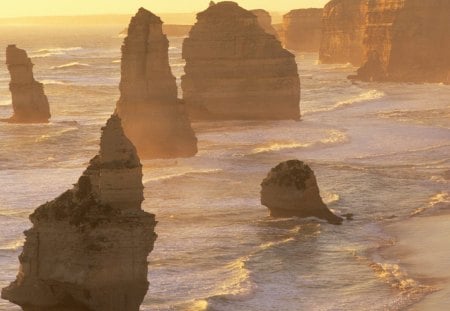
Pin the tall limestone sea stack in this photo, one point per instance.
(344, 25)
(265, 21)
(29, 102)
(235, 70)
(290, 189)
(153, 117)
(88, 248)
(407, 40)
(302, 30)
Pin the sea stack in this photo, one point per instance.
(302, 30)
(29, 102)
(344, 24)
(153, 117)
(290, 189)
(407, 41)
(265, 21)
(235, 70)
(88, 248)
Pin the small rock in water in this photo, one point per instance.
(290, 189)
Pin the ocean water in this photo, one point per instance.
(379, 151)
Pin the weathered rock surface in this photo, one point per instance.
(302, 30)
(153, 117)
(290, 189)
(265, 21)
(410, 38)
(88, 248)
(235, 70)
(344, 25)
(29, 102)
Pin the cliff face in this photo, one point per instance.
(88, 248)
(265, 21)
(290, 189)
(29, 102)
(153, 117)
(235, 70)
(409, 39)
(344, 24)
(302, 30)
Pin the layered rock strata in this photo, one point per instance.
(153, 117)
(407, 40)
(302, 30)
(235, 70)
(29, 102)
(265, 21)
(88, 248)
(290, 189)
(343, 30)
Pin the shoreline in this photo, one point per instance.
(422, 250)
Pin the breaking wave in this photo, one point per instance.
(334, 137)
(53, 52)
(71, 65)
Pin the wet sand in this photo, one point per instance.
(423, 250)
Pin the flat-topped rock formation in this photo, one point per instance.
(344, 25)
(153, 117)
(302, 30)
(88, 248)
(290, 189)
(265, 21)
(29, 102)
(407, 40)
(235, 70)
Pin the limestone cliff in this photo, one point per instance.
(407, 40)
(344, 24)
(265, 21)
(153, 117)
(88, 248)
(29, 102)
(290, 189)
(302, 30)
(235, 70)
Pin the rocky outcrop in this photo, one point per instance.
(153, 117)
(29, 102)
(235, 70)
(265, 21)
(302, 30)
(88, 248)
(290, 189)
(407, 40)
(344, 25)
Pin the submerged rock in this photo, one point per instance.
(410, 38)
(29, 102)
(302, 30)
(235, 70)
(344, 25)
(290, 189)
(265, 21)
(153, 117)
(88, 248)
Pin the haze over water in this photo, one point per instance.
(379, 151)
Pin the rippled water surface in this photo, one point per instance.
(379, 151)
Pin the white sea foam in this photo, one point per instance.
(50, 81)
(333, 137)
(42, 53)
(6, 102)
(71, 65)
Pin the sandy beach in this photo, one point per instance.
(422, 248)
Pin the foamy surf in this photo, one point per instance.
(42, 53)
(70, 66)
(440, 200)
(334, 137)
